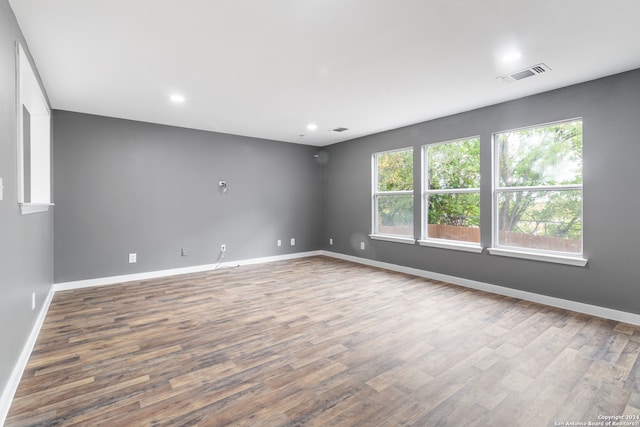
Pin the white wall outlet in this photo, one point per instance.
(331, 242)
(183, 252)
(223, 248)
(33, 300)
(133, 258)
(362, 245)
(1, 189)
(293, 241)
(279, 243)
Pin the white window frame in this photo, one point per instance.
(426, 192)
(374, 200)
(30, 95)
(558, 257)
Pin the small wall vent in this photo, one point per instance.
(340, 129)
(523, 74)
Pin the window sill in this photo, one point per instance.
(29, 208)
(454, 245)
(558, 259)
(395, 239)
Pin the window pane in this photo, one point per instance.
(547, 155)
(548, 220)
(395, 171)
(454, 164)
(454, 217)
(395, 214)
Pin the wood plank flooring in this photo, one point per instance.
(321, 342)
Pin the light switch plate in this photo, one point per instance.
(1, 189)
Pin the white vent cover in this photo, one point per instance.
(523, 74)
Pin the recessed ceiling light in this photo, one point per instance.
(312, 126)
(177, 98)
(511, 56)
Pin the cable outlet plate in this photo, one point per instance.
(223, 248)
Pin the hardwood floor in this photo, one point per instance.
(319, 342)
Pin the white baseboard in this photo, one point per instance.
(593, 310)
(12, 385)
(103, 281)
(14, 380)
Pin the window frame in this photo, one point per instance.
(560, 257)
(30, 96)
(425, 240)
(375, 234)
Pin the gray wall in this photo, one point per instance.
(124, 186)
(25, 240)
(610, 108)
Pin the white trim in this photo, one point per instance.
(564, 187)
(592, 310)
(465, 190)
(12, 385)
(29, 208)
(452, 244)
(31, 94)
(539, 125)
(14, 380)
(558, 259)
(465, 138)
(396, 239)
(395, 193)
(103, 281)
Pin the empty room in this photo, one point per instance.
(319, 213)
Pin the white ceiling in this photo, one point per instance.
(267, 68)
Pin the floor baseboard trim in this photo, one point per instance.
(593, 310)
(12, 385)
(14, 380)
(105, 281)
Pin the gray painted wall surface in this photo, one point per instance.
(25, 240)
(610, 108)
(130, 187)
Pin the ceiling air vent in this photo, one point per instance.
(340, 129)
(523, 74)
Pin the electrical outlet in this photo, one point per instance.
(331, 242)
(293, 241)
(183, 252)
(223, 248)
(362, 245)
(33, 300)
(133, 258)
(279, 243)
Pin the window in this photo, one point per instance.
(393, 194)
(538, 191)
(451, 197)
(34, 136)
